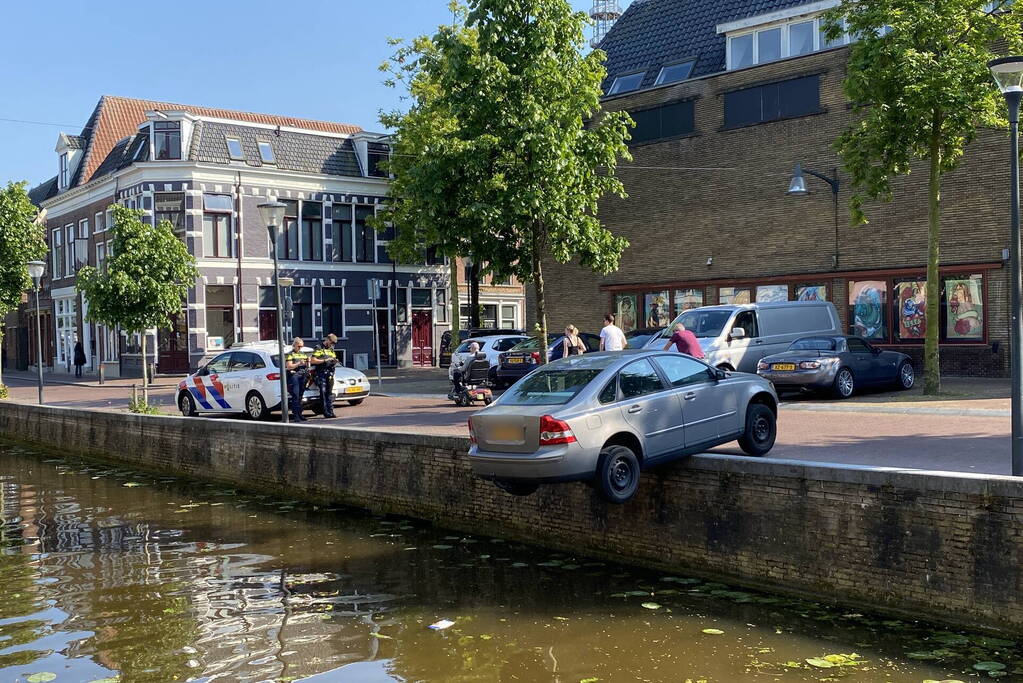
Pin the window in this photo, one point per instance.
(501, 280)
(267, 313)
(741, 50)
(312, 231)
(57, 252)
(626, 83)
(245, 360)
(167, 140)
(771, 293)
(857, 346)
(686, 299)
(341, 233)
(220, 364)
(509, 317)
(170, 206)
(910, 312)
(823, 39)
(442, 306)
(773, 101)
(69, 250)
(64, 175)
(421, 298)
(109, 223)
(376, 154)
(101, 257)
(219, 316)
(868, 309)
(609, 394)
(266, 152)
(217, 202)
(734, 295)
(287, 235)
(963, 308)
(401, 305)
(801, 38)
(682, 371)
(811, 293)
(302, 307)
(549, 387)
(638, 379)
(97, 224)
(217, 237)
(365, 236)
(234, 149)
(332, 301)
(768, 45)
(673, 73)
(668, 121)
(747, 320)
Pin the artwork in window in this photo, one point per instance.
(657, 311)
(811, 293)
(734, 295)
(964, 308)
(771, 293)
(686, 299)
(625, 311)
(911, 309)
(867, 300)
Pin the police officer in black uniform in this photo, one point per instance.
(324, 360)
(297, 365)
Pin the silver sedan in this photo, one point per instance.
(603, 417)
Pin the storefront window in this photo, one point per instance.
(219, 317)
(964, 308)
(625, 311)
(811, 293)
(910, 310)
(686, 299)
(867, 315)
(734, 295)
(656, 308)
(771, 293)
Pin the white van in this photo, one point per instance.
(736, 337)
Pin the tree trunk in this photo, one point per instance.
(932, 360)
(541, 302)
(456, 307)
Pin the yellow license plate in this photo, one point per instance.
(506, 434)
(783, 366)
(353, 390)
(480, 397)
(514, 360)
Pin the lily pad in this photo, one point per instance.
(713, 632)
(989, 666)
(651, 605)
(41, 677)
(129, 484)
(819, 663)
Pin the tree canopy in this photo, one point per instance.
(21, 240)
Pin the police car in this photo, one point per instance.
(246, 380)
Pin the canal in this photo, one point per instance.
(108, 574)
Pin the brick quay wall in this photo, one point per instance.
(930, 545)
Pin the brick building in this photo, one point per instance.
(728, 97)
(206, 171)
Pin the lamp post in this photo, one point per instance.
(1008, 74)
(797, 188)
(273, 214)
(35, 271)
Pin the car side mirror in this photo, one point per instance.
(719, 374)
(876, 351)
(738, 333)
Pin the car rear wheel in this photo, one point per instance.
(844, 384)
(617, 473)
(187, 405)
(356, 401)
(517, 488)
(907, 376)
(761, 430)
(255, 406)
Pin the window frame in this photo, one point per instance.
(657, 373)
(228, 139)
(615, 90)
(179, 227)
(705, 370)
(763, 93)
(167, 133)
(64, 166)
(817, 40)
(219, 221)
(264, 146)
(687, 115)
(660, 80)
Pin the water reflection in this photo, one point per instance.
(107, 572)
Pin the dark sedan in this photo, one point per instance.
(838, 364)
(522, 359)
(639, 338)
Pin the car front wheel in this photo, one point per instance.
(255, 407)
(187, 405)
(761, 430)
(617, 473)
(356, 401)
(907, 377)
(844, 384)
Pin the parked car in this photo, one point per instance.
(605, 416)
(445, 339)
(491, 347)
(840, 364)
(736, 337)
(638, 338)
(246, 380)
(523, 358)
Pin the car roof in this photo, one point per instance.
(495, 336)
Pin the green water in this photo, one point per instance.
(107, 573)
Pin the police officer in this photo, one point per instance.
(324, 359)
(297, 365)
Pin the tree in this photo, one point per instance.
(144, 282)
(22, 239)
(920, 88)
(505, 152)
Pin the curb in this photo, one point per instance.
(890, 410)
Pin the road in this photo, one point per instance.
(885, 437)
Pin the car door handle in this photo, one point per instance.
(758, 341)
(635, 409)
(689, 395)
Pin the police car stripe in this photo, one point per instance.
(217, 390)
(200, 398)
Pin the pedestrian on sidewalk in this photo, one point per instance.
(79, 358)
(611, 337)
(572, 345)
(685, 342)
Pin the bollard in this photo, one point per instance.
(102, 374)
(134, 395)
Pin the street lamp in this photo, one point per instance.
(35, 271)
(273, 214)
(797, 188)
(1008, 74)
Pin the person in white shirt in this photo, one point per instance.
(611, 337)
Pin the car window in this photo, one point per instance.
(549, 387)
(638, 379)
(682, 371)
(531, 344)
(813, 344)
(464, 348)
(609, 394)
(592, 342)
(857, 346)
(702, 323)
(505, 344)
(241, 360)
(747, 320)
(220, 364)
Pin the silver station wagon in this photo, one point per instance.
(603, 417)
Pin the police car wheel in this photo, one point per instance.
(255, 407)
(186, 405)
(356, 401)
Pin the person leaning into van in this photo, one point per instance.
(297, 365)
(685, 341)
(571, 344)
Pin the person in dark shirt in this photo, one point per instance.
(685, 341)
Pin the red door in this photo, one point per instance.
(172, 346)
(422, 338)
(268, 325)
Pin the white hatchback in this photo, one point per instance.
(493, 346)
(246, 380)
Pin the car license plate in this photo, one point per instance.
(514, 360)
(783, 366)
(506, 433)
(353, 390)
(480, 397)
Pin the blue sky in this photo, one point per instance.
(307, 58)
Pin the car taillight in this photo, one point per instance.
(810, 365)
(553, 432)
(762, 365)
(273, 376)
(472, 432)
(502, 357)
(535, 356)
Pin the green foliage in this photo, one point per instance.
(145, 281)
(21, 241)
(4, 392)
(140, 406)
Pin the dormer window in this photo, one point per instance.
(792, 36)
(64, 174)
(673, 73)
(626, 83)
(167, 140)
(234, 149)
(266, 152)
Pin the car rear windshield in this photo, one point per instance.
(813, 344)
(703, 323)
(464, 348)
(531, 344)
(549, 387)
(274, 360)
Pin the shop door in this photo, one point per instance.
(268, 325)
(172, 347)
(422, 338)
(384, 335)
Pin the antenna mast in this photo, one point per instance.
(604, 14)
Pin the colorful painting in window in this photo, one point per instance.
(657, 311)
(911, 309)
(964, 303)
(812, 293)
(867, 300)
(734, 295)
(686, 299)
(771, 293)
(625, 311)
